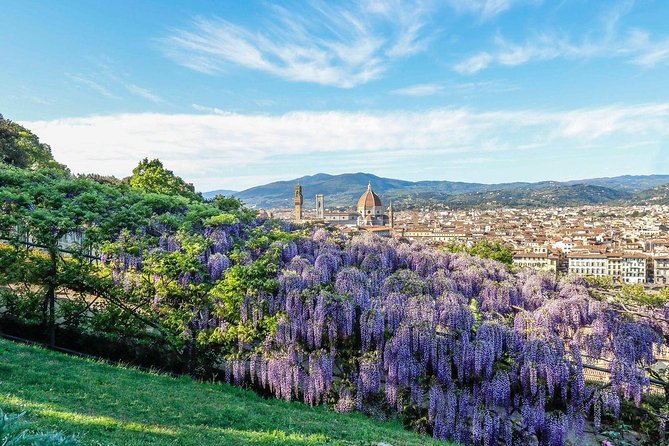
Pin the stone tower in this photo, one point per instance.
(299, 200)
(320, 206)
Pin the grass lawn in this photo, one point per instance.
(106, 404)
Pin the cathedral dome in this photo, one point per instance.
(369, 199)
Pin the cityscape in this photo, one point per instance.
(342, 223)
(628, 245)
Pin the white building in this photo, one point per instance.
(634, 268)
(586, 264)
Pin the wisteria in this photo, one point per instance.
(488, 356)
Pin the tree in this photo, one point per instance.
(10, 153)
(151, 176)
(21, 148)
(485, 249)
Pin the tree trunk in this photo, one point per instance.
(51, 298)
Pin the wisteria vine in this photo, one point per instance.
(487, 355)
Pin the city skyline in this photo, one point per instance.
(239, 94)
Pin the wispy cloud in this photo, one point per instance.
(90, 83)
(474, 64)
(111, 83)
(655, 53)
(419, 90)
(486, 9)
(606, 41)
(636, 47)
(325, 43)
(211, 110)
(142, 92)
(202, 147)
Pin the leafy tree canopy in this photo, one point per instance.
(485, 249)
(151, 176)
(21, 148)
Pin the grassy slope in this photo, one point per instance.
(107, 404)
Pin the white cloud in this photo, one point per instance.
(325, 44)
(93, 85)
(474, 64)
(213, 110)
(419, 90)
(143, 92)
(486, 9)
(635, 47)
(111, 81)
(203, 147)
(654, 54)
(602, 41)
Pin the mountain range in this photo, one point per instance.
(342, 191)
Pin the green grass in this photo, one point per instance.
(106, 404)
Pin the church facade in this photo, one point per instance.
(369, 212)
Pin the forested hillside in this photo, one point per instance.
(343, 191)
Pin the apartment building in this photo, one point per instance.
(633, 268)
(661, 270)
(588, 264)
(539, 261)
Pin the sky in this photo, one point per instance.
(232, 94)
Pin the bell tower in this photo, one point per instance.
(299, 200)
(320, 206)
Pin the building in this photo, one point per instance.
(588, 264)
(614, 266)
(661, 269)
(432, 235)
(299, 201)
(538, 261)
(320, 206)
(370, 209)
(369, 212)
(633, 268)
(629, 267)
(341, 218)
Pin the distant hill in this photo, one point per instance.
(344, 190)
(213, 193)
(655, 195)
(560, 195)
(339, 190)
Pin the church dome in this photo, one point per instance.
(369, 199)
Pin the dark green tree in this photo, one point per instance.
(151, 176)
(21, 148)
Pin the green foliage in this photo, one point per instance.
(636, 294)
(485, 249)
(601, 282)
(221, 220)
(151, 176)
(47, 205)
(663, 296)
(227, 204)
(21, 148)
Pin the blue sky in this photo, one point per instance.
(230, 94)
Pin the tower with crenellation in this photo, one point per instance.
(299, 200)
